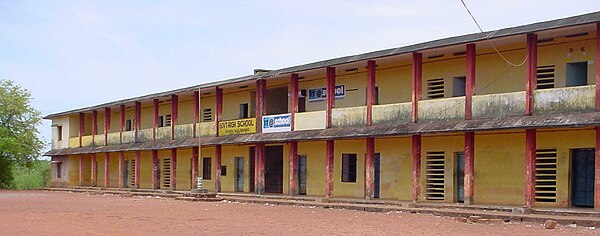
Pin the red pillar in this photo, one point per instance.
(330, 98)
(94, 171)
(195, 156)
(121, 169)
(530, 148)
(531, 72)
(81, 127)
(174, 113)
(370, 169)
(173, 168)
(329, 152)
(416, 154)
(106, 169)
(261, 102)
(137, 169)
(94, 126)
(293, 168)
(196, 114)
(138, 120)
(218, 153)
(106, 124)
(80, 169)
(417, 77)
(218, 108)
(294, 99)
(155, 177)
(155, 107)
(597, 158)
(371, 66)
(470, 80)
(259, 173)
(121, 122)
(469, 167)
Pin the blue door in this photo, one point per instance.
(377, 175)
(583, 178)
(460, 177)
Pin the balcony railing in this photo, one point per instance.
(565, 100)
(206, 129)
(310, 120)
(350, 116)
(74, 142)
(86, 141)
(114, 138)
(99, 140)
(390, 114)
(184, 131)
(442, 109)
(128, 137)
(498, 105)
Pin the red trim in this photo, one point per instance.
(138, 120)
(597, 62)
(417, 77)
(294, 98)
(173, 168)
(106, 169)
(293, 168)
(329, 153)
(218, 108)
(218, 154)
(416, 154)
(370, 169)
(330, 97)
(470, 80)
(138, 163)
(121, 169)
(259, 164)
(93, 172)
(107, 115)
(531, 72)
(121, 123)
(81, 127)
(196, 114)
(155, 177)
(469, 167)
(94, 124)
(261, 102)
(80, 169)
(371, 67)
(174, 113)
(597, 172)
(155, 107)
(195, 155)
(530, 148)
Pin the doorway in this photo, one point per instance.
(582, 181)
(274, 169)
(252, 168)
(460, 177)
(239, 174)
(126, 174)
(377, 176)
(302, 174)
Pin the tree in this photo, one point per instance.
(19, 142)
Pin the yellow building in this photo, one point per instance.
(509, 120)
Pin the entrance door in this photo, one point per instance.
(239, 174)
(377, 175)
(460, 177)
(274, 169)
(302, 174)
(251, 177)
(583, 178)
(126, 174)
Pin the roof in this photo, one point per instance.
(463, 39)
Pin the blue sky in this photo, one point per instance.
(72, 54)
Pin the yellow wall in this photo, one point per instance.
(349, 189)
(315, 166)
(450, 145)
(208, 152)
(395, 167)
(231, 104)
(394, 82)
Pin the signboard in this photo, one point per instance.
(319, 94)
(242, 126)
(277, 123)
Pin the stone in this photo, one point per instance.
(474, 219)
(550, 224)
(460, 219)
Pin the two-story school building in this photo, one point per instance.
(507, 117)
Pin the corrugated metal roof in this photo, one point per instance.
(469, 38)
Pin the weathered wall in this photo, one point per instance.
(565, 100)
(498, 105)
(352, 116)
(392, 113)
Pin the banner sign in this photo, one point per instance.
(277, 123)
(243, 126)
(319, 94)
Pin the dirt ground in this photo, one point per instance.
(59, 213)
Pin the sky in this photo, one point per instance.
(72, 54)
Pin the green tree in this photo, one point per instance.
(19, 142)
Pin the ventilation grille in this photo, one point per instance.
(168, 120)
(545, 175)
(131, 173)
(206, 115)
(435, 88)
(435, 175)
(545, 77)
(166, 173)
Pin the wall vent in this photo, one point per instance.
(166, 173)
(435, 88)
(435, 174)
(206, 115)
(545, 77)
(131, 174)
(545, 175)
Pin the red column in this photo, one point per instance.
(330, 98)
(155, 177)
(195, 156)
(259, 173)
(597, 158)
(106, 169)
(261, 103)
(174, 113)
(530, 148)
(218, 108)
(121, 122)
(196, 113)
(137, 169)
(173, 168)
(94, 170)
(329, 152)
(81, 127)
(106, 124)
(94, 126)
(121, 169)
(470, 80)
(370, 169)
(293, 168)
(417, 77)
(294, 98)
(371, 66)
(218, 153)
(138, 119)
(80, 169)
(469, 167)
(531, 72)
(416, 154)
(155, 107)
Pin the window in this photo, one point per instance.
(577, 73)
(302, 101)
(375, 95)
(168, 120)
(545, 77)
(459, 85)
(59, 133)
(435, 175)
(59, 169)
(206, 164)
(243, 110)
(206, 115)
(161, 121)
(349, 168)
(545, 175)
(128, 125)
(435, 88)
(223, 170)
